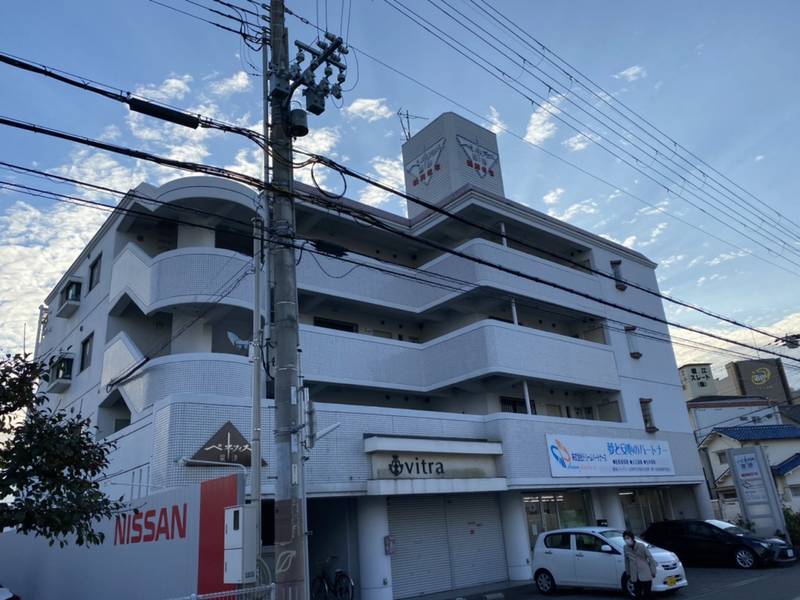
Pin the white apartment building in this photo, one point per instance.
(469, 421)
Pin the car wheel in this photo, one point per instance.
(745, 558)
(627, 587)
(545, 582)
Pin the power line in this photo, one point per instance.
(199, 18)
(654, 154)
(573, 165)
(258, 183)
(610, 100)
(452, 283)
(556, 113)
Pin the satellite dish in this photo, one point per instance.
(238, 342)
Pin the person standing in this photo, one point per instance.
(639, 565)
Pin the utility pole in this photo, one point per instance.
(291, 560)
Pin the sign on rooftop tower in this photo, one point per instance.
(448, 154)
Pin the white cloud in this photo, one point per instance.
(540, 125)
(655, 209)
(238, 82)
(694, 261)
(707, 279)
(38, 246)
(671, 261)
(587, 207)
(172, 88)
(655, 234)
(369, 109)
(319, 141)
(385, 170)
(580, 141)
(628, 242)
(553, 196)
(759, 158)
(494, 122)
(726, 256)
(632, 73)
(103, 169)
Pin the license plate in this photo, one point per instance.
(670, 581)
(790, 553)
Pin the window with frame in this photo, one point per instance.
(335, 324)
(647, 414)
(722, 457)
(795, 489)
(513, 405)
(558, 541)
(94, 272)
(587, 542)
(86, 352)
(72, 292)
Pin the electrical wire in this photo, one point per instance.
(600, 179)
(557, 113)
(612, 100)
(199, 18)
(450, 282)
(652, 153)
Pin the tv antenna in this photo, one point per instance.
(405, 121)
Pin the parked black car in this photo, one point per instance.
(717, 542)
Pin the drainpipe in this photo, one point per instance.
(515, 320)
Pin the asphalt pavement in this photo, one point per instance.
(772, 583)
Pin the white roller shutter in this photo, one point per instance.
(475, 536)
(421, 560)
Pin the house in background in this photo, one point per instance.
(781, 443)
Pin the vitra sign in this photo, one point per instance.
(415, 467)
(165, 523)
(407, 465)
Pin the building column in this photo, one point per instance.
(375, 567)
(703, 501)
(608, 506)
(516, 536)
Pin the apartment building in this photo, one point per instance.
(471, 416)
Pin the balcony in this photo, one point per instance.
(192, 374)
(483, 348)
(59, 376)
(374, 287)
(69, 299)
(183, 276)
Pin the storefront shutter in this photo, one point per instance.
(421, 560)
(475, 536)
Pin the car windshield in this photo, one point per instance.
(725, 526)
(614, 537)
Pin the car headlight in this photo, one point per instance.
(763, 545)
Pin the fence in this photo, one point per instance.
(261, 592)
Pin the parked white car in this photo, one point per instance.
(592, 557)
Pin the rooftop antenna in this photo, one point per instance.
(406, 124)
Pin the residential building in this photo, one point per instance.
(708, 412)
(697, 380)
(471, 416)
(781, 443)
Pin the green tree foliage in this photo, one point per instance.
(49, 463)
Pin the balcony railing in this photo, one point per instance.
(483, 348)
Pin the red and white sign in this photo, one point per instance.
(423, 167)
(479, 158)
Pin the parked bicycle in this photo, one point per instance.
(340, 588)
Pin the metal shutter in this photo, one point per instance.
(421, 559)
(475, 536)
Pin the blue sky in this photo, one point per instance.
(717, 76)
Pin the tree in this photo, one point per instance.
(49, 463)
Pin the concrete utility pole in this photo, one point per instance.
(291, 557)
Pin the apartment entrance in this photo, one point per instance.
(643, 507)
(557, 509)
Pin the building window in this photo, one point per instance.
(795, 489)
(633, 343)
(513, 405)
(86, 352)
(72, 292)
(647, 414)
(616, 267)
(94, 272)
(334, 324)
(722, 457)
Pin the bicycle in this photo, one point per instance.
(341, 588)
